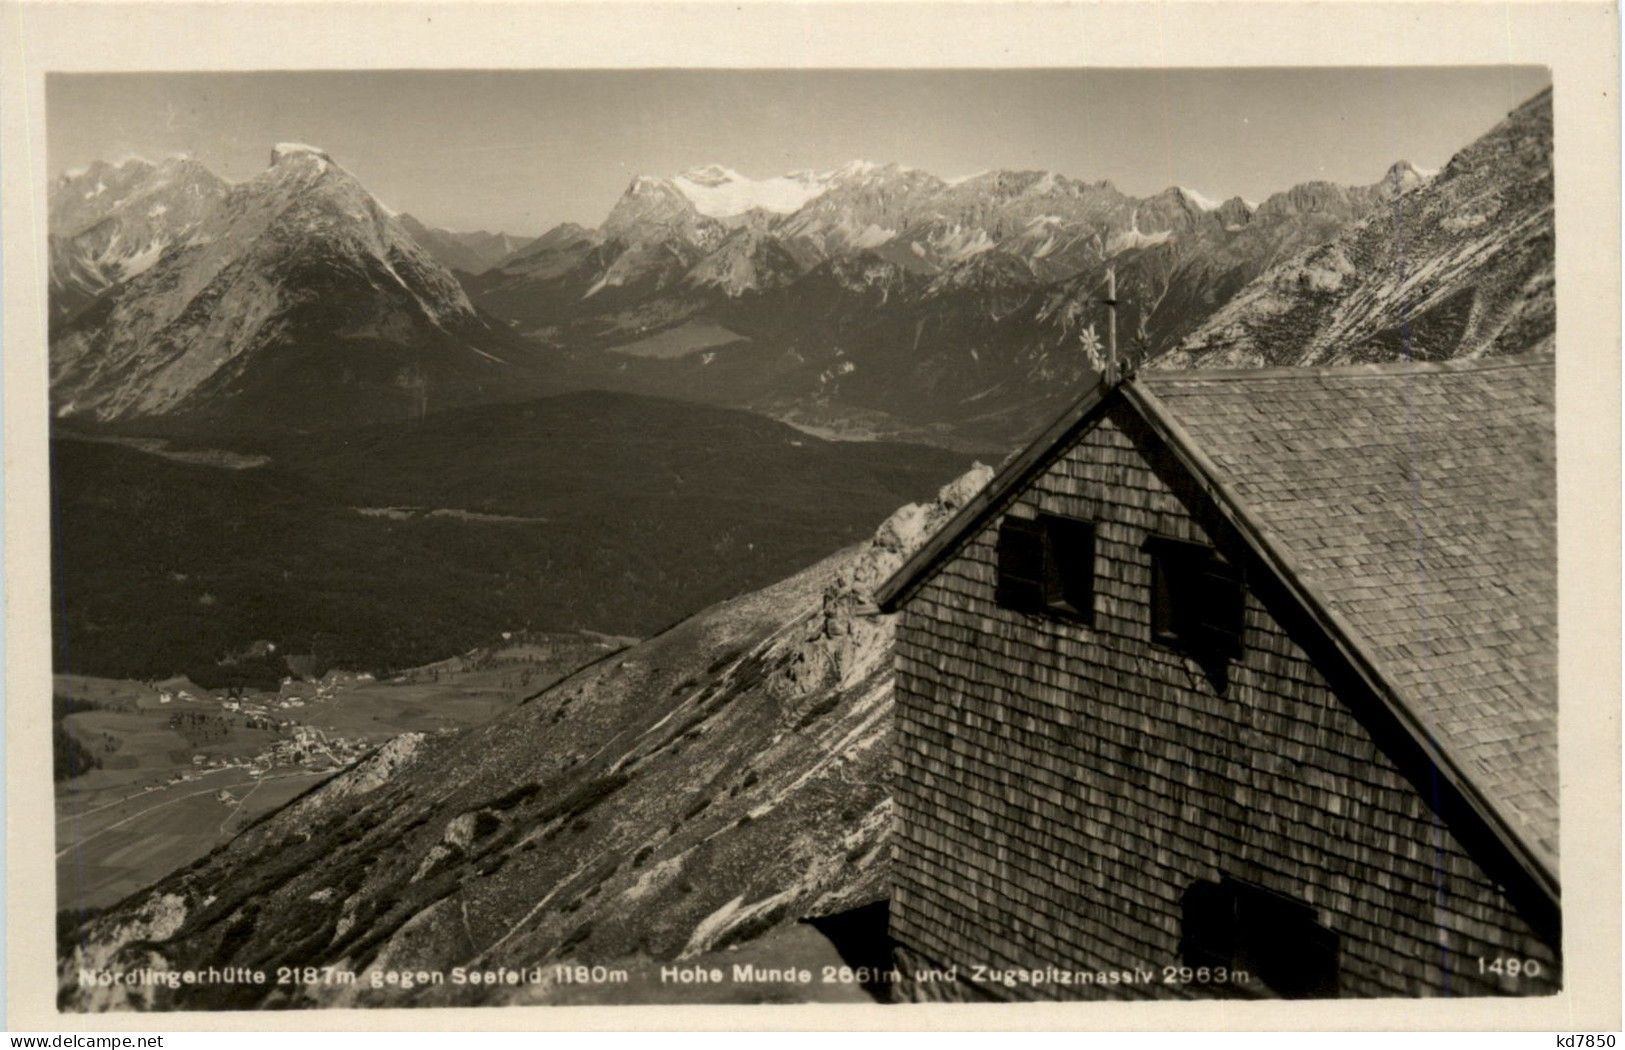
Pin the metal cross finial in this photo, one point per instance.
(1110, 374)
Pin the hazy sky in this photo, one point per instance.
(522, 151)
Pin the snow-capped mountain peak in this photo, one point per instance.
(719, 192)
(313, 166)
(863, 169)
(285, 151)
(722, 193)
(1202, 201)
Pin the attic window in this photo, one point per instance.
(1196, 599)
(1276, 941)
(1047, 566)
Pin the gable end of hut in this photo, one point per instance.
(1065, 790)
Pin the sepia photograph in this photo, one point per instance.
(771, 536)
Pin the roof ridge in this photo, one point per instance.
(1372, 368)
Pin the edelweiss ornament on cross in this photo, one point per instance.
(1093, 349)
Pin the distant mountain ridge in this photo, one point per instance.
(955, 304)
(922, 222)
(464, 251)
(864, 300)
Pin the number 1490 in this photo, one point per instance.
(1503, 967)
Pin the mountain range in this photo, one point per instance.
(110, 222)
(880, 289)
(464, 251)
(865, 299)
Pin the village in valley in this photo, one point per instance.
(164, 770)
(304, 746)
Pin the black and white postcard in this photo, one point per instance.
(517, 512)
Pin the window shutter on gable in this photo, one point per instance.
(1208, 925)
(1282, 940)
(1198, 602)
(1021, 565)
(1276, 939)
(1072, 583)
(1316, 975)
(1218, 606)
(1164, 604)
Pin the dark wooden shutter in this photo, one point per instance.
(1174, 602)
(1164, 625)
(1021, 565)
(1217, 607)
(1316, 975)
(1070, 588)
(1197, 601)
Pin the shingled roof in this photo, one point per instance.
(1412, 507)
(1419, 503)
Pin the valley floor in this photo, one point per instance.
(183, 769)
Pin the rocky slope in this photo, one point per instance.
(297, 297)
(110, 222)
(1458, 266)
(698, 791)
